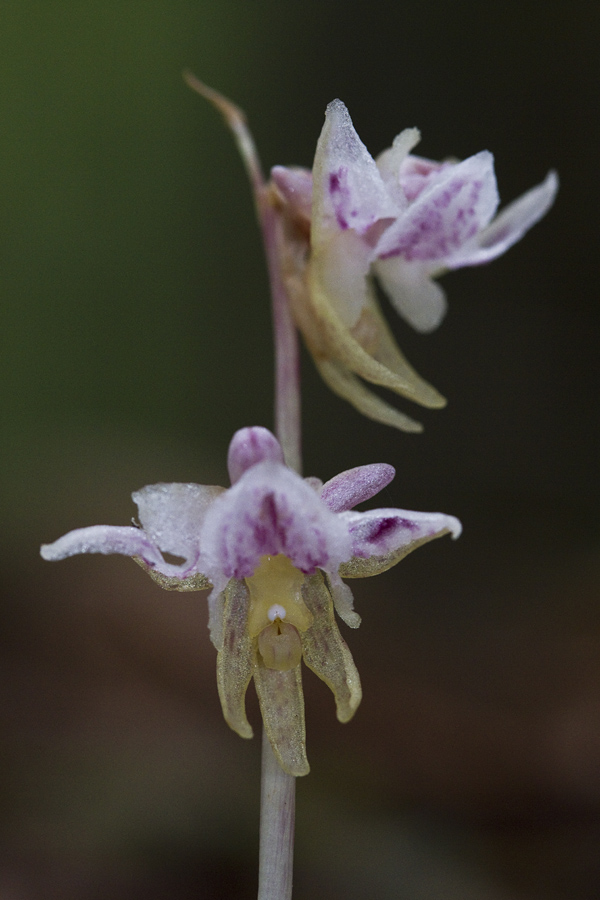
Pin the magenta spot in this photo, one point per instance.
(380, 528)
(408, 524)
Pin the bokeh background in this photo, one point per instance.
(135, 335)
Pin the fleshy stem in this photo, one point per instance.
(278, 789)
(287, 359)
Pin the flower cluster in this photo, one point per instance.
(405, 220)
(274, 548)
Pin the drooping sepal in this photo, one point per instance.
(326, 652)
(236, 659)
(282, 708)
(349, 387)
(359, 353)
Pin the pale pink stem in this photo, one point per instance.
(277, 815)
(287, 357)
(278, 789)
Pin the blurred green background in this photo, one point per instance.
(136, 338)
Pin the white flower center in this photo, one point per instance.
(276, 612)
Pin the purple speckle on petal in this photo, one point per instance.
(379, 528)
(409, 524)
(339, 193)
(439, 226)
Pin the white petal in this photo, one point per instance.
(509, 226)
(456, 204)
(412, 291)
(390, 161)
(123, 539)
(343, 266)
(172, 515)
(348, 191)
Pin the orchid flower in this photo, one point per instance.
(274, 548)
(405, 220)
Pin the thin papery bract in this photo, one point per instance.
(401, 218)
(273, 548)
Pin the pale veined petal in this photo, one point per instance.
(343, 600)
(282, 708)
(374, 333)
(236, 659)
(344, 264)
(325, 651)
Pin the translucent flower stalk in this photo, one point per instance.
(278, 788)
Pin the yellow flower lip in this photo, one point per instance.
(276, 579)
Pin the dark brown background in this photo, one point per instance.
(136, 338)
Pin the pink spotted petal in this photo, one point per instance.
(457, 203)
(348, 190)
(356, 485)
(509, 226)
(417, 173)
(382, 531)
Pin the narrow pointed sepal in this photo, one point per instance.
(282, 708)
(236, 659)
(325, 651)
(344, 347)
(347, 386)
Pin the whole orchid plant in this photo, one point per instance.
(274, 548)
